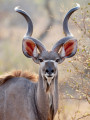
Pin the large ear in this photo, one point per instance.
(68, 49)
(29, 48)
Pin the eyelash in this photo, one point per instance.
(57, 60)
(41, 60)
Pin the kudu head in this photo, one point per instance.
(48, 60)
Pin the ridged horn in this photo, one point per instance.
(65, 22)
(69, 36)
(28, 19)
(30, 29)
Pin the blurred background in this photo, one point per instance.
(47, 17)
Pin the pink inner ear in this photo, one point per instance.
(29, 46)
(69, 47)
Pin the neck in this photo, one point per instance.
(47, 97)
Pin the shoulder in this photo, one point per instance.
(19, 74)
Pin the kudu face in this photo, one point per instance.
(48, 65)
(48, 60)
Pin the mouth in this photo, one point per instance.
(49, 77)
(48, 80)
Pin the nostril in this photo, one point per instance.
(47, 71)
(52, 71)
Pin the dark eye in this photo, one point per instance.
(57, 60)
(41, 60)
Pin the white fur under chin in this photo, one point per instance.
(49, 79)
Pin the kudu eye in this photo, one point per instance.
(41, 60)
(57, 60)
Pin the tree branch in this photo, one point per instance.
(51, 20)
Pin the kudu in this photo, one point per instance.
(22, 99)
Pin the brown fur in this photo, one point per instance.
(18, 73)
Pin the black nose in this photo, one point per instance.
(49, 71)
